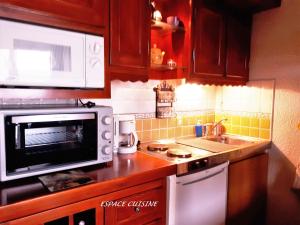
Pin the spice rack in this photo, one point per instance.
(165, 97)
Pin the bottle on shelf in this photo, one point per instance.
(157, 55)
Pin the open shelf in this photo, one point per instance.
(166, 68)
(157, 25)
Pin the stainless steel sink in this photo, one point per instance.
(229, 140)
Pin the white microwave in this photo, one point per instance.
(37, 56)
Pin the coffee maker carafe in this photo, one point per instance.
(125, 136)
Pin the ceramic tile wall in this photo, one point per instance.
(131, 97)
(193, 97)
(193, 102)
(246, 124)
(183, 125)
(139, 97)
(248, 109)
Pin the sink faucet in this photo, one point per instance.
(217, 128)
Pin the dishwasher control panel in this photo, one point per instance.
(192, 166)
(199, 164)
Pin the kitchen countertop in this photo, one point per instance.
(215, 152)
(230, 152)
(25, 196)
(29, 196)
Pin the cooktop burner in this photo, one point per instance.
(180, 153)
(158, 147)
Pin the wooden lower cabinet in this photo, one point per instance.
(143, 204)
(247, 191)
(82, 213)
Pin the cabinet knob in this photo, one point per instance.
(137, 209)
(81, 222)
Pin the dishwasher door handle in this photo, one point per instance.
(204, 178)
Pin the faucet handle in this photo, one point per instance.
(218, 129)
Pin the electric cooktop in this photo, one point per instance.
(188, 159)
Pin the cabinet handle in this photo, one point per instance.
(81, 222)
(137, 209)
(194, 55)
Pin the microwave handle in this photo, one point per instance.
(18, 136)
(52, 118)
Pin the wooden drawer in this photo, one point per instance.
(144, 207)
(134, 210)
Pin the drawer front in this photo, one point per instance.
(140, 205)
(146, 205)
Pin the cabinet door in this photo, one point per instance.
(129, 39)
(247, 187)
(85, 15)
(238, 48)
(208, 45)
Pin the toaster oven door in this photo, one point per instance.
(38, 142)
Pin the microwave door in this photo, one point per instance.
(39, 56)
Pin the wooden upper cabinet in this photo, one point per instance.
(220, 45)
(238, 48)
(252, 6)
(208, 45)
(80, 15)
(129, 39)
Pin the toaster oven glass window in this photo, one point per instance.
(32, 145)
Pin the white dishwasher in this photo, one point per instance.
(198, 198)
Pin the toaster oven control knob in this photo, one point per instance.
(106, 120)
(106, 135)
(106, 150)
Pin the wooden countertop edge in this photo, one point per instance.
(54, 200)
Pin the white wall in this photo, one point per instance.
(275, 54)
